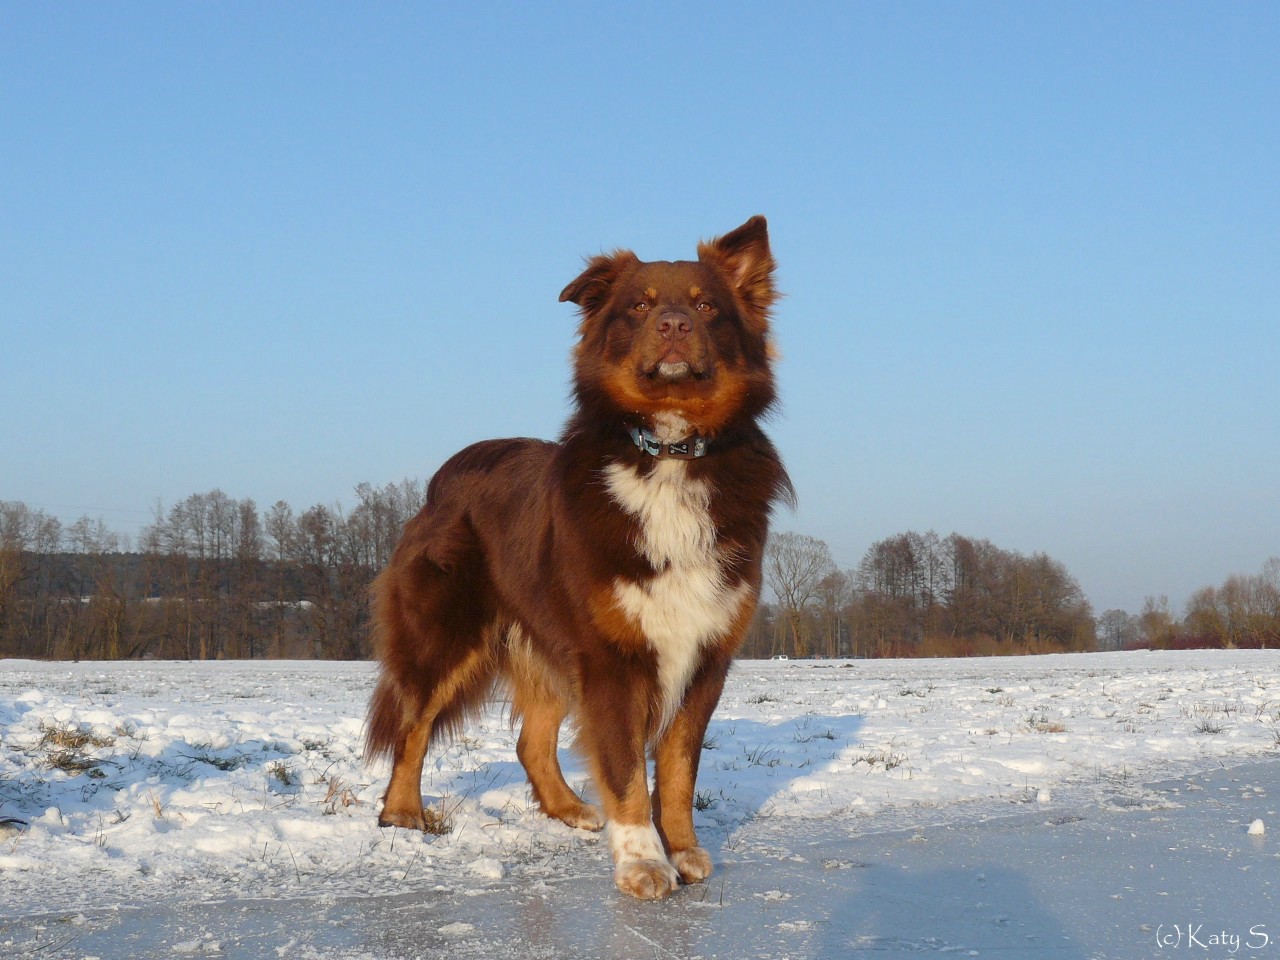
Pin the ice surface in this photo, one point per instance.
(852, 808)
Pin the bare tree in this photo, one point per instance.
(794, 568)
(1155, 622)
(29, 539)
(1117, 630)
(835, 598)
(102, 608)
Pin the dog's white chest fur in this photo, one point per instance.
(686, 604)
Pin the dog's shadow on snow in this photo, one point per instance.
(757, 768)
(749, 768)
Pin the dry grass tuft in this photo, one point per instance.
(56, 736)
(66, 748)
(888, 759)
(339, 795)
(438, 822)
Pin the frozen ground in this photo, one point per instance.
(1066, 807)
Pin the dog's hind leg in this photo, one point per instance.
(455, 693)
(536, 748)
(433, 625)
(402, 803)
(538, 699)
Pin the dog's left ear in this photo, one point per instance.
(591, 288)
(743, 256)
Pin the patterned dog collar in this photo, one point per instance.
(690, 448)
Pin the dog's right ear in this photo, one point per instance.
(591, 288)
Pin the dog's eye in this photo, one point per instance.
(640, 306)
(705, 306)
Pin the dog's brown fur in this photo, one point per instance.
(592, 577)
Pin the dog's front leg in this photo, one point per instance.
(616, 713)
(678, 751)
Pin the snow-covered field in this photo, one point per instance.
(183, 783)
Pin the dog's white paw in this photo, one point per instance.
(646, 879)
(641, 867)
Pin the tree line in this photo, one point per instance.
(215, 577)
(1244, 612)
(918, 594)
(211, 577)
(923, 595)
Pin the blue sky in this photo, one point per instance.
(1031, 252)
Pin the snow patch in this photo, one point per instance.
(458, 929)
(172, 799)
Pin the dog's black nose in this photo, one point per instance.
(674, 326)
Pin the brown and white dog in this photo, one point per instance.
(610, 576)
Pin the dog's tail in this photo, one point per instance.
(384, 722)
(434, 626)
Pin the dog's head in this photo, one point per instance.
(688, 339)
